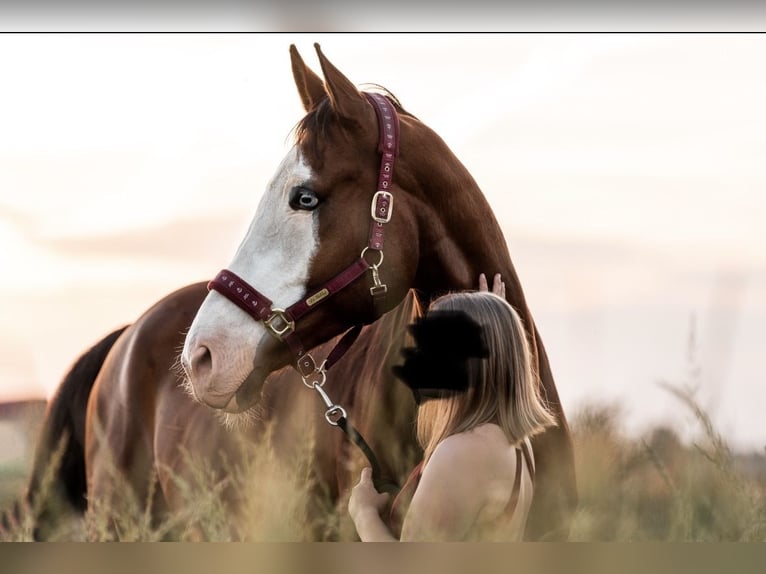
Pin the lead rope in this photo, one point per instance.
(336, 415)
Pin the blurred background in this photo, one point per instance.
(627, 172)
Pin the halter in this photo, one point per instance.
(281, 323)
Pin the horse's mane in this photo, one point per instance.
(313, 127)
(391, 333)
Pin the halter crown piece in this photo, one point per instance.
(281, 322)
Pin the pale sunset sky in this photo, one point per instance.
(627, 171)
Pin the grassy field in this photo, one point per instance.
(649, 488)
(656, 488)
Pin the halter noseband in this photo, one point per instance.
(281, 322)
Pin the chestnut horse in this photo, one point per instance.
(313, 220)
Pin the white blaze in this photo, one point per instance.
(275, 255)
(274, 258)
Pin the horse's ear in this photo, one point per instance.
(310, 86)
(344, 97)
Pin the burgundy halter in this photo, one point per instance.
(281, 322)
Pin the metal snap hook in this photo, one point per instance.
(335, 414)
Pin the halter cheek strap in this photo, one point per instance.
(388, 148)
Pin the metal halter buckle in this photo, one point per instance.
(279, 330)
(390, 210)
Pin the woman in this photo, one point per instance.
(475, 481)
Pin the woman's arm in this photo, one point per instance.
(371, 528)
(445, 505)
(364, 506)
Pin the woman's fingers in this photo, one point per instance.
(498, 286)
(364, 495)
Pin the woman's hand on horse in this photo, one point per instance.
(498, 285)
(364, 497)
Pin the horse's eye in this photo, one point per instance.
(303, 198)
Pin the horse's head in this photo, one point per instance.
(312, 222)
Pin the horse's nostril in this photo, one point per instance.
(201, 362)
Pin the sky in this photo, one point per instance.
(627, 172)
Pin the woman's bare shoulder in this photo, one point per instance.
(482, 448)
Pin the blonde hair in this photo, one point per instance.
(503, 389)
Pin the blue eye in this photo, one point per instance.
(303, 198)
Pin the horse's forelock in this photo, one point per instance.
(310, 130)
(315, 125)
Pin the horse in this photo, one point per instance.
(362, 169)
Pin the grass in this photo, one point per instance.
(649, 488)
(656, 488)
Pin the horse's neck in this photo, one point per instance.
(460, 236)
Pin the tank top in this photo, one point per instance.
(401, 502)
